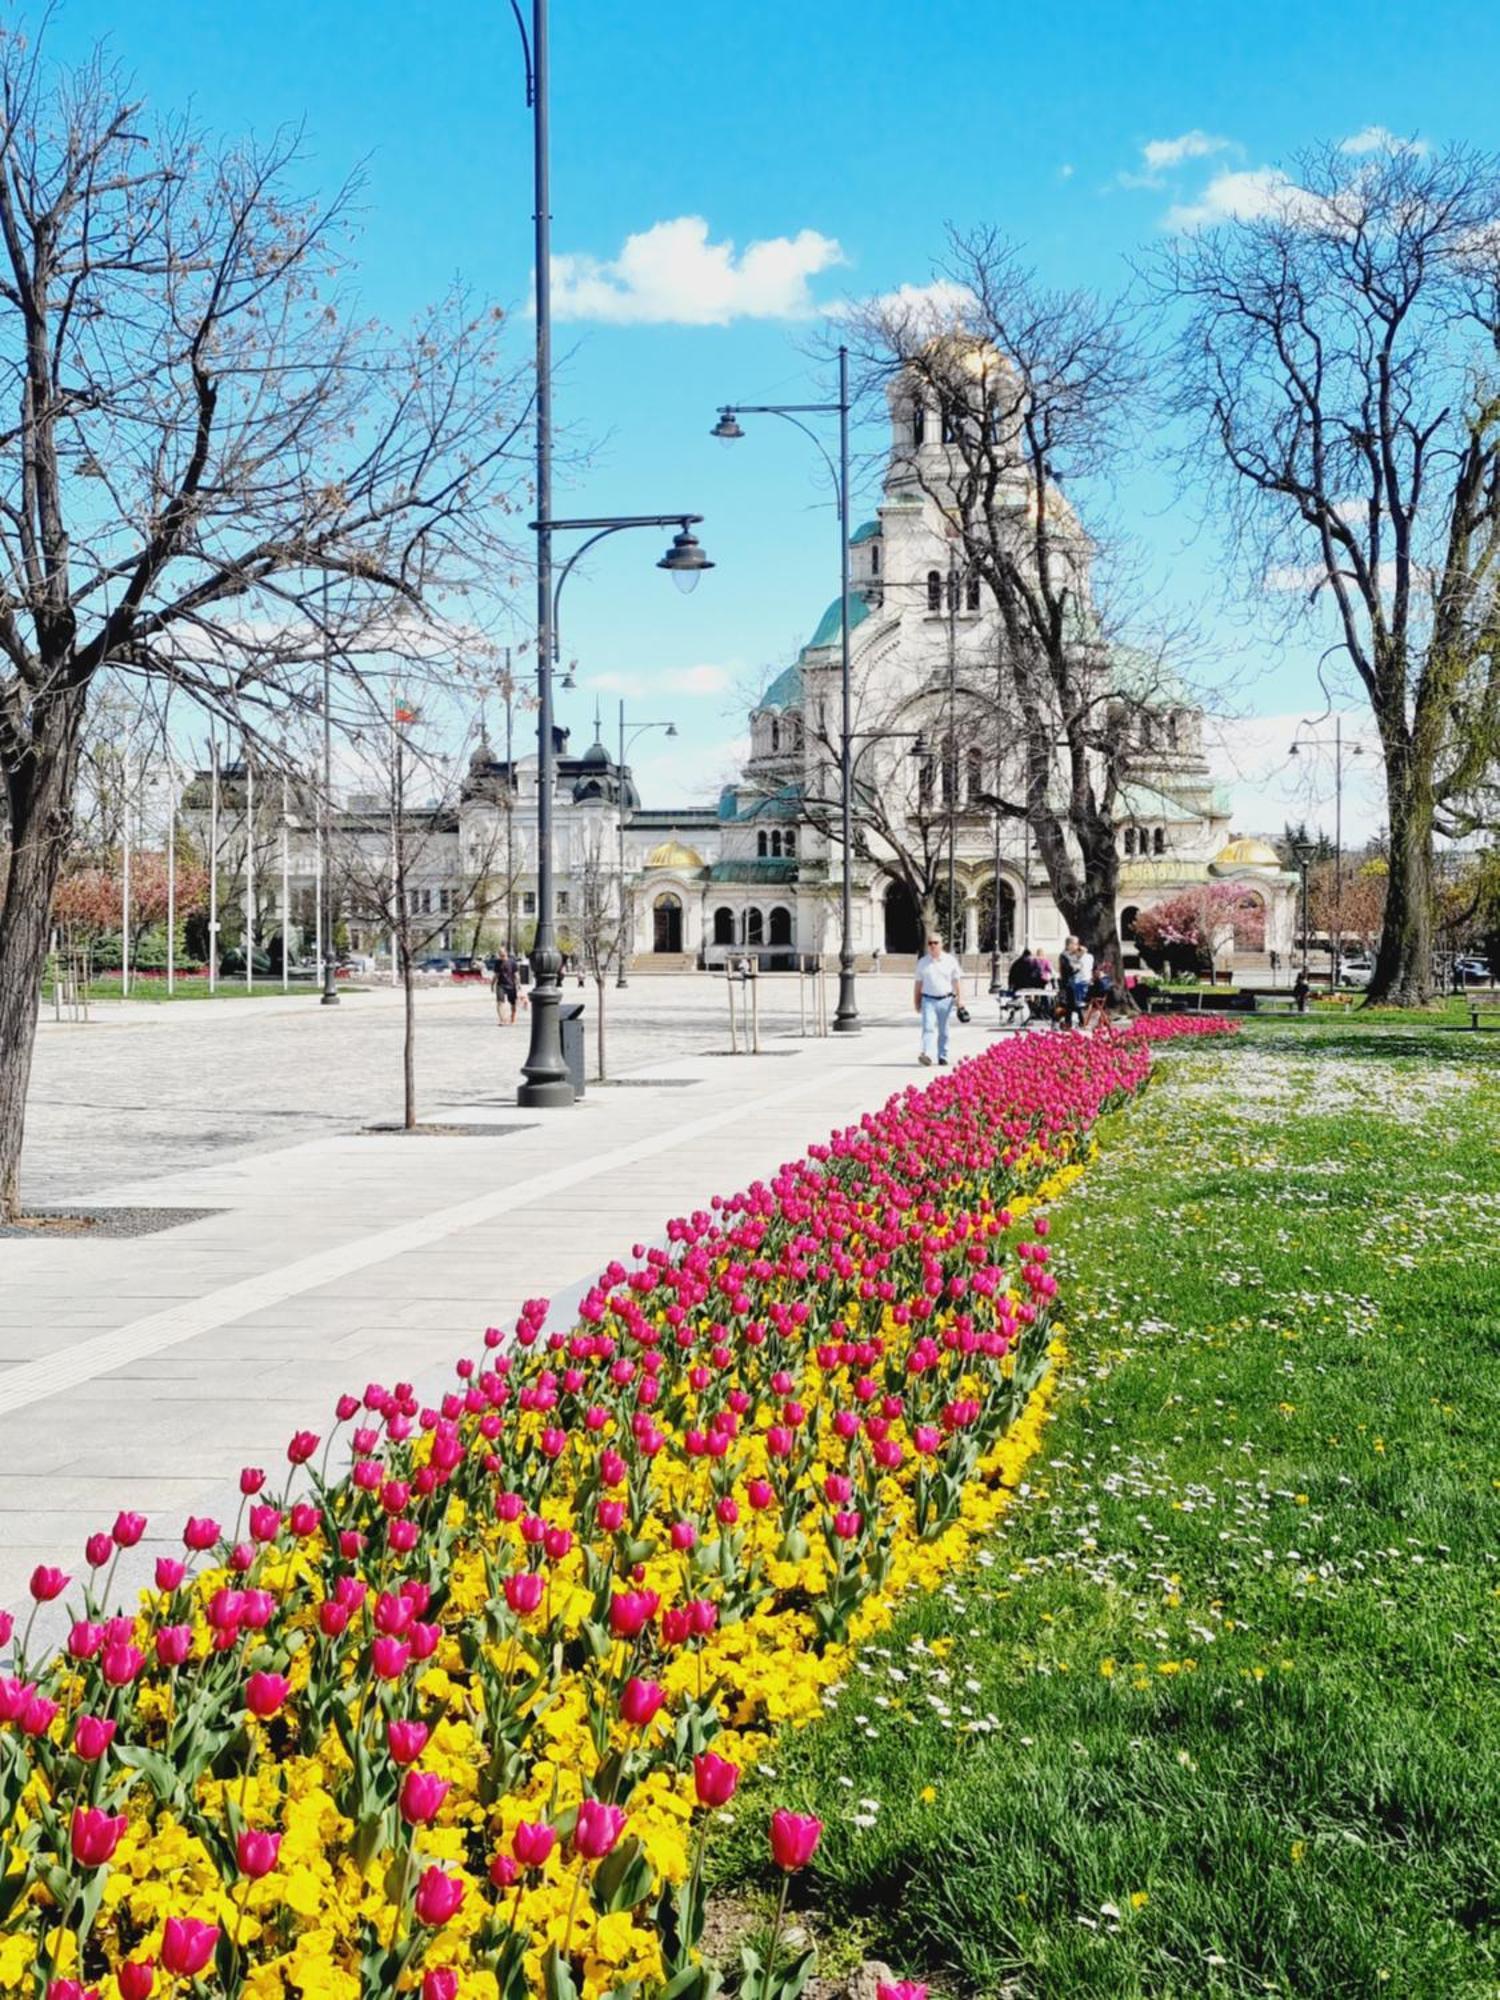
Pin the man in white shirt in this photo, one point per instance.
(938, 992)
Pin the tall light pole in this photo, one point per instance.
(639, 729)
(325, 830)
(950, 754)
(846, 1016)
(1355, 750)
(1302, 854)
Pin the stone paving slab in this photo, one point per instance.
(340, 1257)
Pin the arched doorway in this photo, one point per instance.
(781, 926)
(723, 925)
(755, 927)
(666, 924)
(1007, 938)
(1127, 923)
(903, 921)
(950, 925)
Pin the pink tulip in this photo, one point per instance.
(422, 1796)
(265, 1693)
(84, 1640)
(92, 1736)
(302, 1447)
(38, 1716)
(524, 1591)
(630, 1611)
(187, 1946)
(121, 1665)
(438, 1897)
(200, 1534)
(98, 1550)
(256, 1853)
(899, 1989)
(794, 1837)
(128, 1530)
(533, 1842)
(640, 1701)
(169, 1573)
(714, 1779)
(598, 1829)
(95, 1835)
(47, 1584)
(439, 1982)
(406, 1740)
(389, 1657)
(136, 1977)
(173, 1645)
(251, 1481)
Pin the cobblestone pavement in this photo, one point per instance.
(152, 1089)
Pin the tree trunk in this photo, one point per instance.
(1403, 964)
(41, 801)
(409, 1040)
(599, 1020)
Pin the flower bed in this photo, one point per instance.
(458, 1719)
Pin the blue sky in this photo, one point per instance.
(840, 141)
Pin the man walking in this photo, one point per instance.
(935, 996)
(507, 982)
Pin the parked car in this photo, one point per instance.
(436, 961)
(359, 963)
(462, 966)
(1472, 971)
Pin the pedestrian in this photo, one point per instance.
(507, 985)
(936, 995)
(1301, 989)
(1083, 976)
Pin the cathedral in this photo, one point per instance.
(757, 871)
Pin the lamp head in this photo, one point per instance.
(685, 561)
(1303, 852)
(568, 683)
(728, 427)
(671, 729)
(919, 745)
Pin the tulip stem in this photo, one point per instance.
(765, 1991)
(572, 1911)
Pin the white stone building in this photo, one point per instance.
(759, 870)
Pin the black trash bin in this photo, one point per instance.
(570, 1020)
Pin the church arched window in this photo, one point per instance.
(918, 424)
(789, 844)
(874, 558)
(1159, 841)
(975, 776)
(723, 925)
(775, 846)
(1172, 731)
(755, 930)
(934, 591)
(775, 736)
(760, 845)
(971, 593)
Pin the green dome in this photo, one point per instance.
(866, 532)
(785, 691)
(828, 625)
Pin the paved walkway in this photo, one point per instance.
(143, 1372)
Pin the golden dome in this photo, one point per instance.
(672, 854)
(1248, 853)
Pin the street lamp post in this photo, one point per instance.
(325, 887)
(639, 729)
(1355, 750)
(545, 1081)
(1302, 854)
(846, 1016)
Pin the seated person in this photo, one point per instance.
(1025, 975)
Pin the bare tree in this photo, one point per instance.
(1026, 388)
(1338, 358)
(213, 469)
(599, 926)
(406, 868)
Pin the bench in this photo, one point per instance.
(1276, 1003)
(1478, 1008)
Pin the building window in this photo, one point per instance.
(762, 846)
(975, 775)
(528, 902)
(755, 927)
(781, 926)
(776, 846)
(1159, 841)
(1129, 843)
(445, 901)
(562, 902)
(971, 594)
(775, 736)
(789, 844)
(918, 424)
(874, 558)
(723, 925)
(934, 591)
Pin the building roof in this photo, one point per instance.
(680, 859)
(785, 804)
(766, 871)
(828, 624)
(1138, 801)
(785, 691)
(1247, 853)
(866, 532)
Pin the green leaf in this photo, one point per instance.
(557, 1978)
(623, 1878)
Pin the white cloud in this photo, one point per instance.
(1066, 171)
(1161, 154)
(1380, 139)
(1267, 786)
(935, 307)
(1239, 195)
(671, 274)
(697, 680)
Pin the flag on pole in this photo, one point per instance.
(404, 712)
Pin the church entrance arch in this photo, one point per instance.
(903, 921)
(1007, 938)
(666, 924)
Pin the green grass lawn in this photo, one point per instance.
(1219, 1713)
(154, 989)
